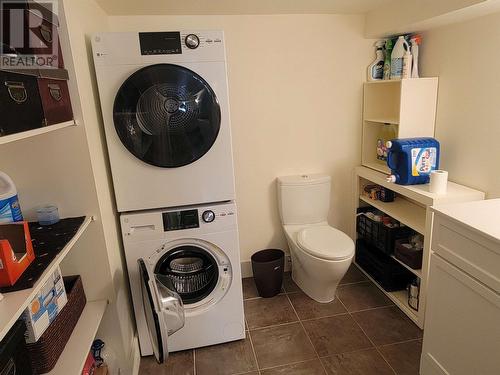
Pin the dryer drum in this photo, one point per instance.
(167, 115)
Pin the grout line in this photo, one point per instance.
(194, 361)
(272, 326)
(251, 344)
(287, 364)
(307, 334)
(372, 308)
(400, 342)
(371, 341)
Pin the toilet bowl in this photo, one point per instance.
(320, 253)
(321, 256)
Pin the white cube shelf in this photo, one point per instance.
(408, 104)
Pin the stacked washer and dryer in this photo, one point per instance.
(165, 107)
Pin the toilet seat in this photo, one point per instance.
(326, 242)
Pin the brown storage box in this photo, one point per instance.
(46, 351)
(53, 88)
(20, 104)
(408, 255)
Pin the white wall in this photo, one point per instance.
(466, 58)
(295, 85)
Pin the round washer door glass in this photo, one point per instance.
(193, 271)
(166, 115)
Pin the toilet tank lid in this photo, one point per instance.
(304, 179)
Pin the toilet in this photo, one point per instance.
(320, 253)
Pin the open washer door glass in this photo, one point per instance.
(163, 310)
(166, 115)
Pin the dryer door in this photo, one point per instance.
(163, 310)
(166, 115)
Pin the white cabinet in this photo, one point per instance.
(407, 107)
(462, 326)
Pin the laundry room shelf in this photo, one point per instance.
(77, 348)
(31, 133)
(400, 299)
(14, 303)
(417, 273)
(401, 209)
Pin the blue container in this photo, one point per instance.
(411, 160)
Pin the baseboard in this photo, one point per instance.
(246, 267)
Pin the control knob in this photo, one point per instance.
(192, 41)
(208, 216)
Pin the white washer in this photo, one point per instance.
(164, 100)
(194, 249)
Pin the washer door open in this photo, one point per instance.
(166, 115)
(163, 310)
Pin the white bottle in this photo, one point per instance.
(415, 41)
(397, 56)
(407, 58)
(376, 68)
(10, 209)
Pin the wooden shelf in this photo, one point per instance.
(14, 303)
(402, 210)
(393, 121)
(400, 299)
(31, 133)
(420, 193)
(76, 350)
(417, 273)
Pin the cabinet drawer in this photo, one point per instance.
(467, 249)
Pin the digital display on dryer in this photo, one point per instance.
(177, 220)
(160, 43)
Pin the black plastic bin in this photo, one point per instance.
(380, 235)
(268, 266)
(386, 271)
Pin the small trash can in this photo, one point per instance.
(268, 266)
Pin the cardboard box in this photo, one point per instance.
(44, 308)
(16, 251)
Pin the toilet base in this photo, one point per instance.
(318, 278)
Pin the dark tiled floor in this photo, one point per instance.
(360, 333)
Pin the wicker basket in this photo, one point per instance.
(46, 351)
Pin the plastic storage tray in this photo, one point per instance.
(386, 271)
(380, 235)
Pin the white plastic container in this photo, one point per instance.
(376, 68)
(10, 210)
(397, 56)
(407, 60)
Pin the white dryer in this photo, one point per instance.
(165, 108)
(192, 253)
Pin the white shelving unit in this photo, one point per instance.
(412, 208)
(76, 350)
(407, 105)
(14, 303)
(31, 133)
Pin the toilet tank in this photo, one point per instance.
(304, 199)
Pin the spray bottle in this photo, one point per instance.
(376, 68)
(387, 61)
(397, 56)
(415, 41)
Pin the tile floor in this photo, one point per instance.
(359, 333)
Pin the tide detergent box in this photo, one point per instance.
(44, 308)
